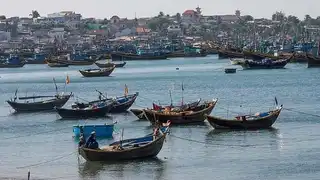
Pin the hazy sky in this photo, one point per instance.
(146, 8)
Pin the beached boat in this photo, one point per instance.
(97, 110)
(103, 130)
(197, 115)
(257, 121)
(265, 64)
(57, 65)
(97, 72)
(128, 149)
(30, 105)
(110, 64)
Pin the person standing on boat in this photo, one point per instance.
(91, 142)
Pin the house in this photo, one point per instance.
(124, 32)
(142, 31)
(5, 36)
(174, 29)
(192, 15)
(64, 17)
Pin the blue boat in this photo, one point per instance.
(105, 130)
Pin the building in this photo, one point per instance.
(174, 29)
(5, 36)
(65, 17)
(114, 20)
(57, 33)
(192, 15)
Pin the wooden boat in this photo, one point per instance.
(119, 104)
(187, 107)
(256, 56)
(43, 105)
(265, 64)
(70, 62)
(258, 121)
(129, 149)
(97, 72)
(109, 65)
(9, 65)
(230, 70)
(97, 110)
(313, 61)
(103, 130)
(57, 65)
(181, 117)
(128, 56)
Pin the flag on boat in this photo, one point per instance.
(126, 90)
(156, 107)
(275, 99)
(67, 80)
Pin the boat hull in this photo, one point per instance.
(146, 151)
(97, 72)
(39, 106)
(139, 113)
(105, 131)
(83, 113)
(4, 65)
(109, 65)
(128, 57)
(259, 123)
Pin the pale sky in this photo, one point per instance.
(147, 8)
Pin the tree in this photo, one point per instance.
(248, 18)
(161, 14)
(3, 17)
(293, 19)
(34, 14)
(278, 16)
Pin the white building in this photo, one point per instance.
(57, 33)
(175, 29)
(65, 17)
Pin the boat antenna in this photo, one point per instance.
(170, 97)
(182, 89)
(121, 137)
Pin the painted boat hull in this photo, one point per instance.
(104, 131)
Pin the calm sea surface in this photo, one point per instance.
(43, 144)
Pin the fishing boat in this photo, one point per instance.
(257, 121)
(118, 56)
(257, 56)
(30, 105)
(313, 61)
(265, 64)
(109, 64)
(230, 70)
(57, 65)
(68, 60)
(10, 65)
(119, 104)
(128, 149)
(186, 107)
(103, 130)
(97, 72)
(197, 115)
(95, 110)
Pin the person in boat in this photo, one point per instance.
(91, 142)
(82, 140)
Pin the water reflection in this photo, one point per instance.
(245, 138)
(154, 167)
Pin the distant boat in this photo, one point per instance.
(57, 65)
(110, 64)
(265, 64)
(9, 65)
(97, 72)
(129, 56)
(313, 61)
(103, 130)
(230, 70)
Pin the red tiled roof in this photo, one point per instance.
(189, 12)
